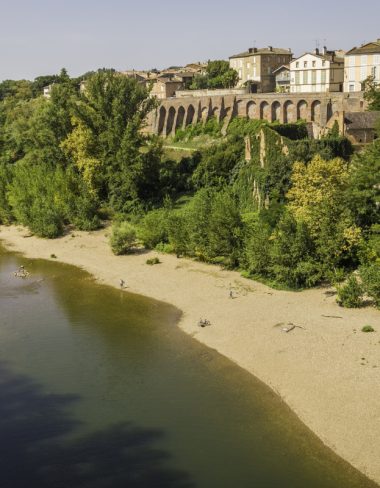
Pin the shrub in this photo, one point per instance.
(123, 238)
(370, 276)
(368, 328)
(153, 229)
(153, 261)
(350, 294)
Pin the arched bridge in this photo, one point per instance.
(178, 113)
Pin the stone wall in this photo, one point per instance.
(179, 112)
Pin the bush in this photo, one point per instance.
(350, 294)
(123, 238)
(153, 261)
(368, 328)
(370, 276)
(38, 196)
(153, 228)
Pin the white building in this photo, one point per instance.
(359, 64)
(317, 72)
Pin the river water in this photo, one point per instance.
(99, 388)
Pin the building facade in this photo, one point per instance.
(359, 64)
(317, 72)
(256, 66)
(282, 77)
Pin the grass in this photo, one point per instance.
(368, 328)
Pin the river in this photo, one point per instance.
(99, 388)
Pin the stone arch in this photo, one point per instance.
(190, 115)
(204, 114)
(302, 110)
(289, 112)
(265, 112)
(316, 111)
(276, 111)
(251, 110)
(329, 111)
(161, 120)
(180, 118)
(240, 108)
(170, 120)
(216, 112)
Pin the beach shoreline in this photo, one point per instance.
(325, 369)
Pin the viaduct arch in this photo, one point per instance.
(178, 113)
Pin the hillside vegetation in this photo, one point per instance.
(264, 198)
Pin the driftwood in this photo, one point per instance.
(332, 316)
(292, 327)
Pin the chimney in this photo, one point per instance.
(250, 50)
(316, 51)
(324, 50)
(270, 48)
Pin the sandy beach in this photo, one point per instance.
(325, 369)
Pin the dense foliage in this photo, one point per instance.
(263, 198)
(218, 75)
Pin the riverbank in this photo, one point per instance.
(325, 369)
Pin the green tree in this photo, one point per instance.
(372, 93)
(363, 193)
(38, 197)
(218, 75)
(111, 111)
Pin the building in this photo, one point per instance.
(256, 66)
(47, 90)
(282, 77)
(360, 63)
(317, 72)
(358, 127)
(164, 87)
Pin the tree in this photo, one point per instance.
(109, 117)
(218, 75)
(318, 198)
(372, 93)
(363, 193)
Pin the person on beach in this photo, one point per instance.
(122, 283)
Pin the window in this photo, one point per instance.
(363, 60)
(314, 64)
(305, 77)
(323, 63)
(351, 61)
(351, 87)
(305, 64)
(297, 74)
(248, 65)
(323, 77)
(254, 59)
(363, 73)
(297, 65)
(351, 74)
(314, 77)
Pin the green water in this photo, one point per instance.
(99, 388)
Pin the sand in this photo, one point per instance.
(328, 371)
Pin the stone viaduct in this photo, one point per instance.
(180, 112)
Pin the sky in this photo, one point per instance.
(39, 37)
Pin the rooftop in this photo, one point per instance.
(260, 51)
(369, 48)
(362, 120)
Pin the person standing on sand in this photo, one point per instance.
(122, 283)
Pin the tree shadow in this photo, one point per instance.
(35, 451)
